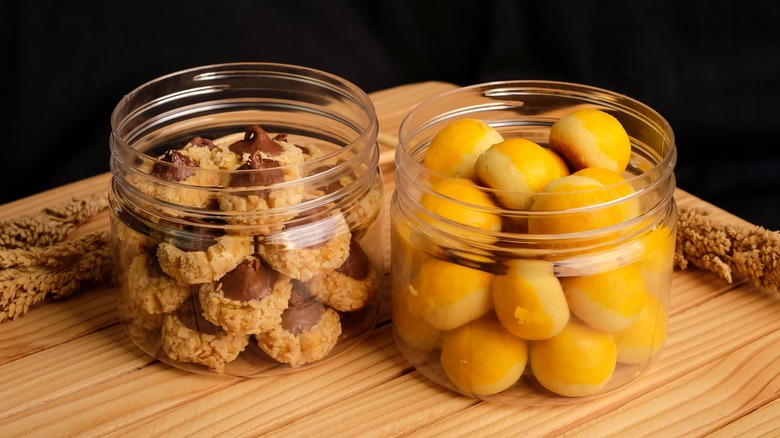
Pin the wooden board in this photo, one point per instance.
(69, 370)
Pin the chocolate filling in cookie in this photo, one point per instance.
(356, 266)
(188, 337)
(190, 315)
(251, 280)
(313, 243)
(248, 299)
(267, 172)
(177, 170)
(312, 228)
(256, 140)
(202, 142)
(303, 311)
(308, 330)
(348, 287)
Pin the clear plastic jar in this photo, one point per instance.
(513, 316)
(245, 211)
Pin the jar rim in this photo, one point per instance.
(313, 105)
(136, 101)
(523, 107)
(220, 70)
(515, 90)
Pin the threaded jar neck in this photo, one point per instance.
(305, 106)
(528, 109)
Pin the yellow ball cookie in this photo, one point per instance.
(591, 138)
(409, 326)
(656, 259)
(482, 358)
(449, 295)
(644, 338)
(529, 301)
(615, 182)
(455, 148)
(577, 362)
(608, 301)
(520, 166)
(574, 192)
(461, 201)
(563, 168)
(408, 252)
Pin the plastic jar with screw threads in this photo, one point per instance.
(529, 310)
(245, 211)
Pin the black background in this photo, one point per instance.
(711, 67)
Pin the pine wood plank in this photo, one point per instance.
(66, 369)
(260, 406)
(738, 383)
(70, 370)
(57, 322)
(763, 422)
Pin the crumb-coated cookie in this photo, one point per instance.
(269, 170)
(176, 170)
(248, 299)
(310, 151)
(128, 243)
(151, 289)
(307, 332)
(315, 244)
(197, 267)
(210, 154)
(328, 181)
(137, 322)
(361, 209)
(348, 287)
(364, 211)
(188, 337)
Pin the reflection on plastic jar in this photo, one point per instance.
(563, 300)
(246, 217)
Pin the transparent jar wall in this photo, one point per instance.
(456, 290)
(307, 228)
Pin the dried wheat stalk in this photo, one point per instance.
(36, 264)
(51, 225)
(67, 267)
(726, 250)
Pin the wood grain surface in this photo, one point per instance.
(68, 369)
